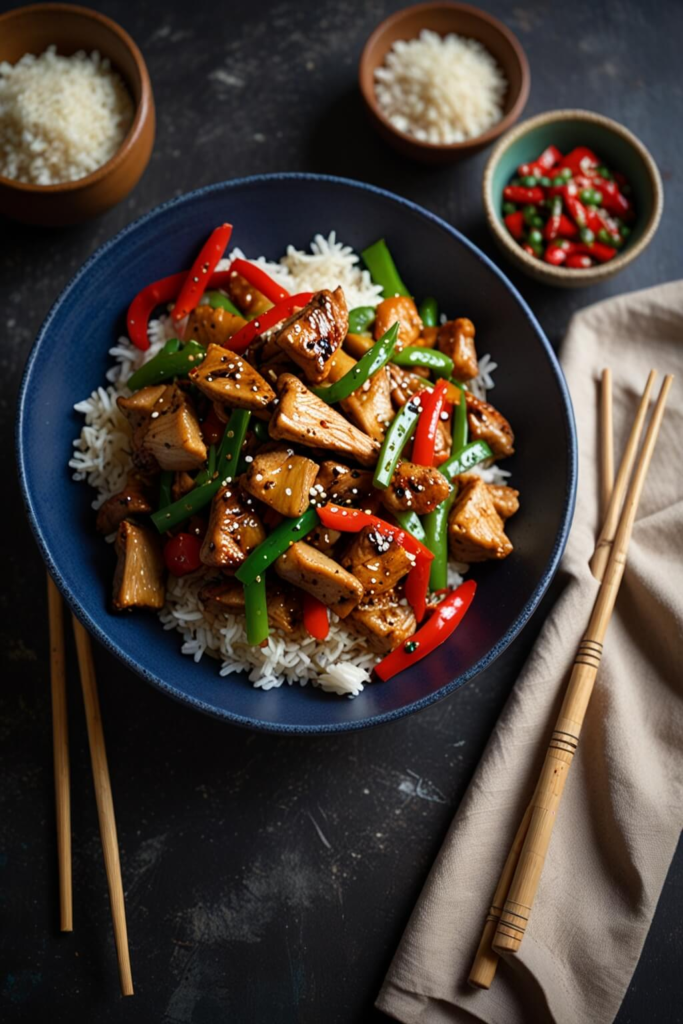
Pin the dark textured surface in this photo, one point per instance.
(270, 879)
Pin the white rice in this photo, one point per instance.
(342, 663)
(440, 89)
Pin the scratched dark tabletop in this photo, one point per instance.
(269, 879)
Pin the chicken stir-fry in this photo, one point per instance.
(302, 460)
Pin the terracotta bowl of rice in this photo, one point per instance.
(441, 81)
(76, 114)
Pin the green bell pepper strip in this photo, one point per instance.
(206, 474)
(217, 300)
(165, 484)
(256, 611)
(171, 346)
(400, 430)
(379, 262)
(360, 318)
(373, 360)
(439, 363)
(436, 539)
(227, 456)
(460, 428)
(284, 535)
(166, 365)
(465, 459)
(429, 312)
(410, 522)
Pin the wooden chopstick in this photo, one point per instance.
(603, 547)
(519, 902)
(60, 754)
(105, 804)
(485, 963)
(606, 442)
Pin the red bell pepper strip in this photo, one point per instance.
(527, 248)
(428, 425)
(260, 280)
(596, 250)
(612, 199)
(316, 617)
(203, 267)
(578, 261)
(520, 194)
(580, 159)
(158, 294)
(446, 617)
(352, 520)
(244, 337)
(514, 222)
(542, 164)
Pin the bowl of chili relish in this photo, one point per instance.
(572, 197)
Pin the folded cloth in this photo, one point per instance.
(622, 811)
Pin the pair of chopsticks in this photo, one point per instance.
(100, 771)
(508, 915)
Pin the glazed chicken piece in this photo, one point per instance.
(324, 539)
(139, 575)
(211, 326)
(403, 309)
(428, 337)
(376, 560)
(505, 499)
(302, 417)
(133, 499)
(225, 377)
(370, 405)
(456, 339)
(233, 531)
(386, 620)
(282, 480)
(284, 603)
(476, 532)
(337, 482)
(403, 384)
(182, 484)
(311, 336)
(415, 488)
(318, 574)
(250, 300)
(166, 431)
(487, 424)
(138, 411)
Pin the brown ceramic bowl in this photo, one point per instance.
(443, 18)
(70, 28)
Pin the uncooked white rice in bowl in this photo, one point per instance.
(440, 89)
(340, 664)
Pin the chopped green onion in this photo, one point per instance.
(383, 270)
(373, 360)
(166, 365)
(439, 363)
(256, 610)
(360, 318)
(410, 522)
(429, 312)
(217, 300)
(283, 536)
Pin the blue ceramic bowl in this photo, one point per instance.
(70, 359)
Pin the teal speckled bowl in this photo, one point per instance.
(615, 145)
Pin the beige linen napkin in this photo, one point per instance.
(621, 815)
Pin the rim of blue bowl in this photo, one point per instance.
(224, 715)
